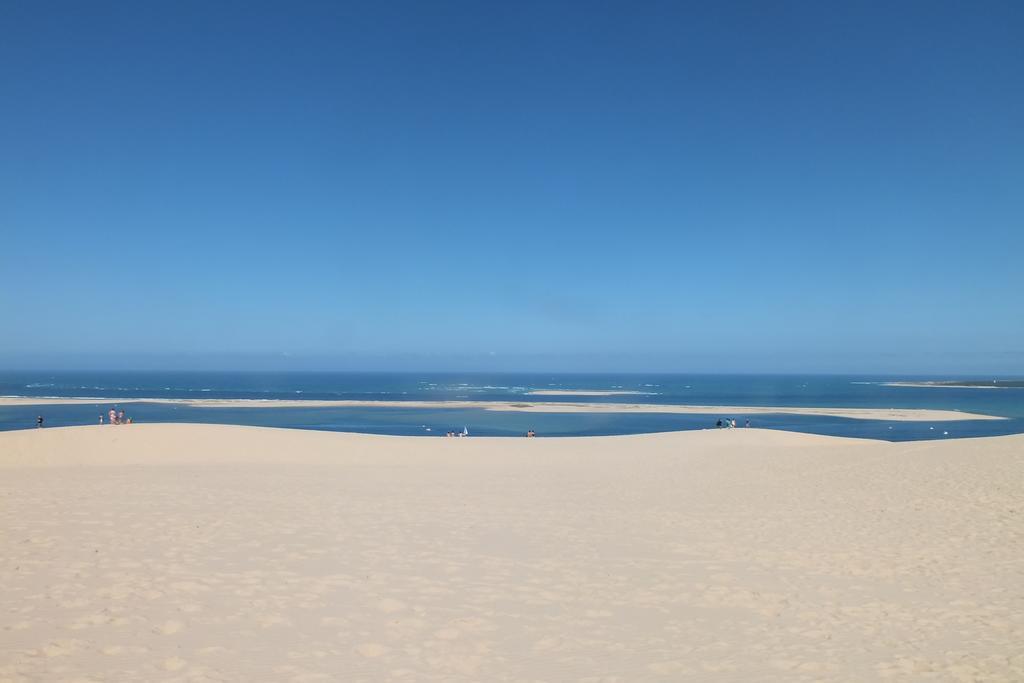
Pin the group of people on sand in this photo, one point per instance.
(465, 432)
(116, 417)
(729, 423)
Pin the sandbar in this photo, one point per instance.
(586, 392)
(894, 414)
(952, 385)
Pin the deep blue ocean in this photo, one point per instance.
(109, 388)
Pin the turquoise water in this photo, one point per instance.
(753, 390)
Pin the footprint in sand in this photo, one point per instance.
(114, 650)
(169, 627)
(90, 621)
(174, 664)
(269, 620)
(548, 644)
(60, 648)
(372, 649)
(448, 634)
(390, 605)
(669, 667)
(75, 603)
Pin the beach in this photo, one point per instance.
(182, 552)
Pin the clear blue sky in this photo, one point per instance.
(592, 185)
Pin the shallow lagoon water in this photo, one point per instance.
(664, 389)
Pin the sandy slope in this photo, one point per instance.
(218, 553)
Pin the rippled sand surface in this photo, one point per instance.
(220, 553)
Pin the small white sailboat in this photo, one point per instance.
(465, 432)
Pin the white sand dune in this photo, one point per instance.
(220, 553)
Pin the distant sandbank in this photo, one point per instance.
(893, 414)
(1009, 384)
(586, 392)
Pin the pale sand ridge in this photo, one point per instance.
(223, 553)
(896, 414)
